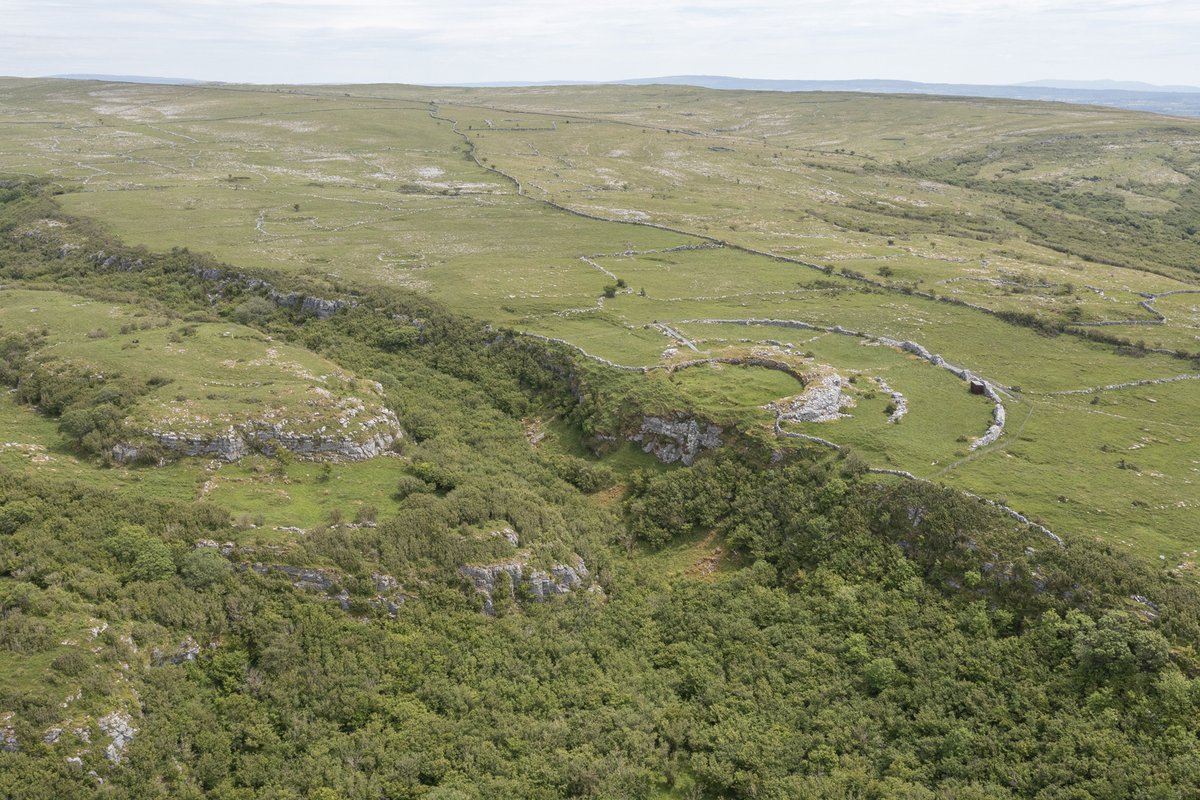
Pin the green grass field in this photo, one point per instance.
(1065, 213)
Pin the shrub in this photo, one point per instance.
(880, 673)
(254, 311)
(203, 567)
(72, 662)
(409, 485)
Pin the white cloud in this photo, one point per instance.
(463, 40)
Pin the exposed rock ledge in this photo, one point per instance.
(680, 439)
(242, 440)
(505, 577)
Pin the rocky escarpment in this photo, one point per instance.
(679, 439)
(510, 578)
(238, 441)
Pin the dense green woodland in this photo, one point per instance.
(861, 637)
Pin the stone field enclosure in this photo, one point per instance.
(1050, 250)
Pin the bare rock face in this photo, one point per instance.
(680, 439)
(561, 580)
(239, 441)
(507, 576)
(118, 726)
(490, 578)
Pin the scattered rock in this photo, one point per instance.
(8, 734)
(822, 401)
(899, 401)
(188, 650)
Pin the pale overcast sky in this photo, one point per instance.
(453, 41)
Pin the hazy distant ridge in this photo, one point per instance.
(1183, 101)
(1159, 100)
(127, 79)
(1175, 100)
(1105, 86)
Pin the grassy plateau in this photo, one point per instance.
(996, 234)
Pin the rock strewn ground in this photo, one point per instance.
(822, 400)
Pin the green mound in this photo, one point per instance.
(135, 384)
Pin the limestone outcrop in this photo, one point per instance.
(679, 439)
(8, 734)
(239, 441)
(388, 592)
(507, 577)
(118, 726)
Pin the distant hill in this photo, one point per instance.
(1127, 86)
(128, 79)
(1158, 100)
(1181, 101)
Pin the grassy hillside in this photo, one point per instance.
(496, 610)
